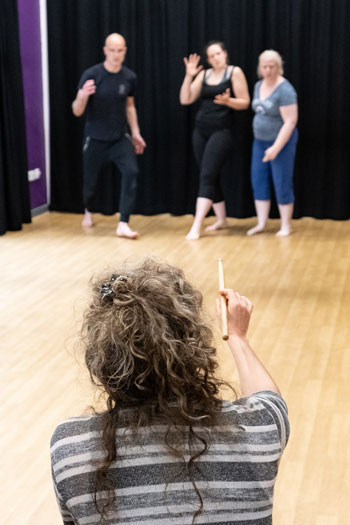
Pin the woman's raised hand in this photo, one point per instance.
(191, 63)
(239, 310)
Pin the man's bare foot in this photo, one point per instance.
(284, 232)
(218, 225)
(193, 235)
(124, 230)
(87, 222)
(257, 229)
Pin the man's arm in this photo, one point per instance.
(82, 98)
(253, 375)
(131, 116)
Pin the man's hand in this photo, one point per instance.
(81, 100)
(139, 144)
(89, 88)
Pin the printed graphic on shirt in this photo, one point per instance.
(122, 89)
(259, 109)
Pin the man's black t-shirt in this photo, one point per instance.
(106, 109)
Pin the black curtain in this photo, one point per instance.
(14, 189)
(313, 39)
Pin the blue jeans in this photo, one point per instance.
(279, 171)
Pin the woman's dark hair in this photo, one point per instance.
(149, 349)
(212, 43)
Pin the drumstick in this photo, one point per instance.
(223, 306)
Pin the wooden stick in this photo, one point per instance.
(223, 306)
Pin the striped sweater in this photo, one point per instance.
(235, 477)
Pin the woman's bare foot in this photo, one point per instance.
(193, 235)
(257, 229)
(87, 222)
(284, 232)
(124, 230)
(218, 225)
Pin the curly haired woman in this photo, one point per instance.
(167, 449)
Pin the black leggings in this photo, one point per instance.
(211, 149)
(122, 154)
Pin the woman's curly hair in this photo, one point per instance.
(148, 347)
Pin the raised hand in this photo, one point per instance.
(89, 88)
(239, 310)
(191, 63)
(223, 98)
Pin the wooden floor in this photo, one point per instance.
(300, 287)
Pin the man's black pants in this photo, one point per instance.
(122, 154)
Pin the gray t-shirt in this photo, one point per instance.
(267, 120)
(236, 475)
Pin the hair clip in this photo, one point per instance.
(106, 288)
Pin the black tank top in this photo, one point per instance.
(211, 114)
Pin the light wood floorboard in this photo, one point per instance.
(300, 287)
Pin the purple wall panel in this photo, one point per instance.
(30, 42)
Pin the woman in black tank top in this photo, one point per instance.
(211, 114)
(222, 89)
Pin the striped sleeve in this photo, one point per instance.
(277, 408)
(66, 515)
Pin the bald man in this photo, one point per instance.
(106, 91)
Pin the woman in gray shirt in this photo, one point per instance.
(275, 140)
(167, 449)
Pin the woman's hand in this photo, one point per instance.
(224, 98)
(239, 310)
(253, 376)
(270, 154)
(192, 67)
